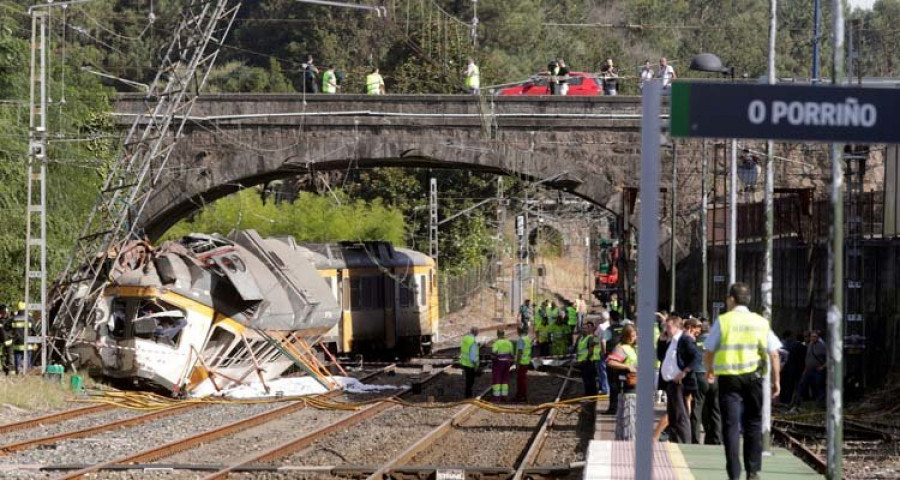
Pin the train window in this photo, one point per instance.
(422, 290)
(345, 295)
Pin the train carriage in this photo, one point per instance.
(388, 296)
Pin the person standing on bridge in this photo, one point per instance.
(468, 358)
(472, 78)
(374, 83)
(329, 81)
(738, 349)
(503, 351)
(309, 70)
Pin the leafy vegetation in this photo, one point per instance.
(310, 218)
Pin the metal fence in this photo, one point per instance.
(457, 291)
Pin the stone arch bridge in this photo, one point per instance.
(587, 145)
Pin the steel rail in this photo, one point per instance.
(299, 443)
(127, 422)
(180, 445)
(533, 449)
(801, 450)
(53, 418)
(362, 471)
(429, 439)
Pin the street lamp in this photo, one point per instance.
(707, 62)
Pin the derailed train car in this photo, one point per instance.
(388, 297)
(205, 313)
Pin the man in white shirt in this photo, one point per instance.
(680, 361)
(666, 73)
(600, 332)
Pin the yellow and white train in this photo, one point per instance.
(388, 296)
(208, 312)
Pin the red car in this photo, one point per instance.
(580, 84)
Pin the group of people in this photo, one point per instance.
(13, 328)
(331, 79)
(665, 74)
(712, 375)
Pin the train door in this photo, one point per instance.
(390, 309)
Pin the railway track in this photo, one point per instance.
(53, 418)
(293, 441)
(869, 451)
(207, 436)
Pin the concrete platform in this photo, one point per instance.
(608, 460)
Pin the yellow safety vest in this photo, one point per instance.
(526, 351)
(598, 354)
(503, 347)
(543, 332)
(468, 343)
(327, 86)
(473, 81)
(584, 345)
(373, 83)
(631, 357)
(744, 336)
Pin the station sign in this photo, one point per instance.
(785, 112)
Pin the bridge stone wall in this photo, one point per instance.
(236, 141)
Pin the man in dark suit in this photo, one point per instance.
(680, 361)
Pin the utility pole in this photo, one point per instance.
(704, 259)
(474, 24)
(815, 65)
(673, 225)
(835, 407)
(732, 214)
(767, 283)
(432, 219)
(36, 209)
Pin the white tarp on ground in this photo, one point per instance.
(298, 386)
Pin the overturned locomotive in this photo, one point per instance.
(205, 313)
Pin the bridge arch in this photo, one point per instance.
(237, 141)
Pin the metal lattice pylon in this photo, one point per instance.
(145, 152)
(36, 188)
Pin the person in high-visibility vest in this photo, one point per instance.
(542, 331)
(523, 362)
(623, 361)
(374, 83)
(6, 339)
(586, 349)
(559, 337)
(329, 81)
(572, 322)
(21, 328)
(472, 78)
(738, 349)
(469, 358)
(503, 351)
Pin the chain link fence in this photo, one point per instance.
(456, 291)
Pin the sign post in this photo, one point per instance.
(833, 114)
(785, 112)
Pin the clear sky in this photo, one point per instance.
(861, 3)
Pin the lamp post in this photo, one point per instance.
(707, 62)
